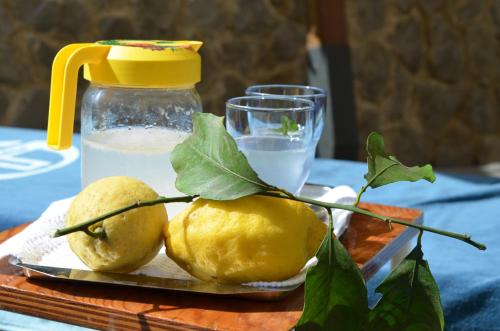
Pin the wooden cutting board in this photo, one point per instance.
(371, 244)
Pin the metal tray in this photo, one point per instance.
(36, 271)
(195, 286)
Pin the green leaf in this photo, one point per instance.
(288, 125)
(384, 169)
(335, 292)
(209, 164)
(410, 298)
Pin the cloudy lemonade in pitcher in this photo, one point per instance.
(138, 152)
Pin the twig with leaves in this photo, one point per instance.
(209, 165)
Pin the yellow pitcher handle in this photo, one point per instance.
(63, 89)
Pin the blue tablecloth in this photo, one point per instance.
(31, 177)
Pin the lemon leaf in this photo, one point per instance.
(288, 125)
(410, 298)
(335, 292)
(385, 169)
(209, 164)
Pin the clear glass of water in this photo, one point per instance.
(276, 134)
(314, 94)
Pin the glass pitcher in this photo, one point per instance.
(138, 106)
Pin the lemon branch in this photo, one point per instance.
(99, 233)
(463, 237)
(370, 182)
(286, 195)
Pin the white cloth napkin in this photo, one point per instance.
(35, 244)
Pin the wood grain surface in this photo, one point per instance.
(371, 244)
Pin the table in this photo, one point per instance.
(469, 279)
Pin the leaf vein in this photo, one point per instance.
(209, 160)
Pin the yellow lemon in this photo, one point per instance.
(254, 238)
(132, 238)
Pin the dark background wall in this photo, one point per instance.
(426, 72)
(245, 42)
(427, 76)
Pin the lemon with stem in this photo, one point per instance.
(130, 239)
(254, 238)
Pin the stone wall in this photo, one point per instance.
(427, 72)
(427, 76)
(246, 42)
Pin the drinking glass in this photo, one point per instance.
(314, 94)
(276, 134)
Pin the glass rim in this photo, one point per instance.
(319, 90)
(310, 105)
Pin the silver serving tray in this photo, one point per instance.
(35, 271)
(196, 286)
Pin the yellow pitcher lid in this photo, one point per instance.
(147, 63)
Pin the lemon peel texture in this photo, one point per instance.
(132, 238)
(254, 238)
